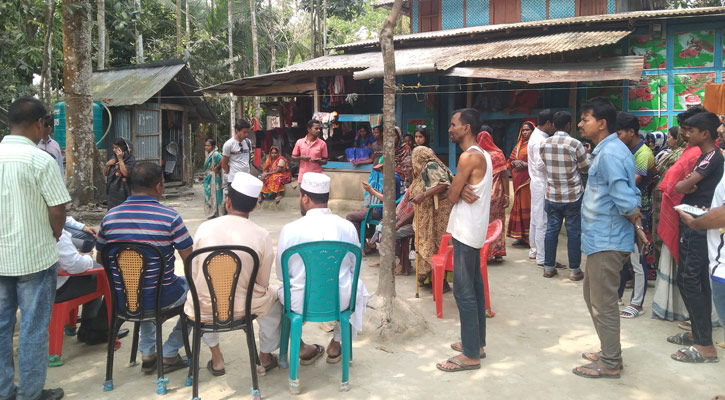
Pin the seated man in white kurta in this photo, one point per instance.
(319, 223)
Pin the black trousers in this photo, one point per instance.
(693, 280)
(94, 314)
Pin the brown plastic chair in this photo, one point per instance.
(126, 264)
(221, 269)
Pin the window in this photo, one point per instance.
(591, 7)
(505, 11)
(429, 15)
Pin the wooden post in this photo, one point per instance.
(187, 173)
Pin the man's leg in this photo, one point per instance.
(8, 310)
(84, 242)
(555, 217)
(36, 293)
(270, 329)
(572, 216)
(602, 281)
(175, 340)
(532, 239)
(473, 318)
(695, 290)
(639, 280)
(356, 217)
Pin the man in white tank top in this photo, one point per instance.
(468, 224)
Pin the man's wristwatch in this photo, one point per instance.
(639, 228)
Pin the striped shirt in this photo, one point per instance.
(30, 182)
(566, 161)
(143, 219)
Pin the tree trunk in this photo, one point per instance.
(273, 47)
(255, 53)
(188, 25)
(47, 55)
(80, 144)
(101, 18)
(139, 36)
(178, 29)
(232, 103)
(312, 29)
(324, 27)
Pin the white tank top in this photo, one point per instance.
(468, 223)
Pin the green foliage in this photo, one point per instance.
(345, 9)
(694, 3)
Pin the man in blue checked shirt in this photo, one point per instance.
(610, 219)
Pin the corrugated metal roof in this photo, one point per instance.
(445, 57)
(608, 69)
(277, 83)
(636, 15)
(389, 3)
(127, 87)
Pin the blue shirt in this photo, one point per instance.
(143, 219)
(611, 193)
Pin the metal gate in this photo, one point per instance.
(147, 134)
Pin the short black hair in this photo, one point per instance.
(627, 121)
(312, 122)
(560, 119)
(317, 198)
(544, 117)
(365, 127)
(211, 141)
(423, 131)
(486, 127)
(146, 175)
(705, 121)
(673, 132)
(601, 109)
(122, 143)
(470, 116)
(48, 120)
(378, 127)
(684, 116)
(26, 110)
(242, 202)
(241, 124)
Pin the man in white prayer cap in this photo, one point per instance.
(235, 228)
(319, 223)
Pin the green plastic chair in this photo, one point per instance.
(322, 260)
(370, 221)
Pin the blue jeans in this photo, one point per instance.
(571, 214)
(470, 299)
(34, 294)
(147, 332)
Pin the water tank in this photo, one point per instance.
(60, 123)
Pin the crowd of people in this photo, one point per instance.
(630, 204)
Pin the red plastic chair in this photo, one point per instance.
(67, 312)
(443, 261)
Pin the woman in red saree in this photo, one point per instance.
(275, 175)
(499, 189)
(518, 162)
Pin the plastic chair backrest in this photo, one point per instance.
(494, 231)
(323, 260)
(126, 264)
(221, 268)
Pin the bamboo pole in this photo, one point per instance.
(417, 228)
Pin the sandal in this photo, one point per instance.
(215, 372)
(685, 326)
(683, 339)
(334, 359)
(460, 364)
(148, 366)
(594, 357)
(179, 363)
(263, 369)
(319, 351)
(692, 355)
(458, 347)
(595, 366)
(629, 312)
(277, 199)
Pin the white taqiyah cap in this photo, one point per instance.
(314, 182)
(247, 184)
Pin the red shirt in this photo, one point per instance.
(316, 150)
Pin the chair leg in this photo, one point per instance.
(284, 342)
(439, 274)
(484, 274)
(253, 359)
(160, 381)
(404, 259)
(194, 365)
(56, 332)
(134, 344)
(185, 333)
(346, 339)
(112, 333)
(294, 364)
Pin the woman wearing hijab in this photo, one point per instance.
(429, 192)
(117, 170)
(499, 190)
(403, 163)
(518, 163)
(657, 142)
(213, 189)
(275, 174)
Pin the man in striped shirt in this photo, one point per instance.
(566, 160)
(142, 218)
(32, 215)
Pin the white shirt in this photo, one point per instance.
(70, 222)
(537, 168)
(71, 261)
(321, 224)
(468, 223)
(716, 238)
(238, 154)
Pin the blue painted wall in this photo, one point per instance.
(452, 14)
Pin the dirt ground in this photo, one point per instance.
(539, 331)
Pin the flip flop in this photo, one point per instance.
(148, 366)
(334, 360)
(682, 339)
(319, 351)
(588, 357)
(629, 312)
(460, 364)
(692, 355)
(595, 367)
(460, 349)
(180, 363)
(215, 372)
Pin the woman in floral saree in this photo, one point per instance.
(213, 189)
(520, 216)
(275, 175)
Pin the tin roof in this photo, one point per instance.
(274, 83)
(445, 57)
(134, 85)
(570, 22)
(389, 4)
